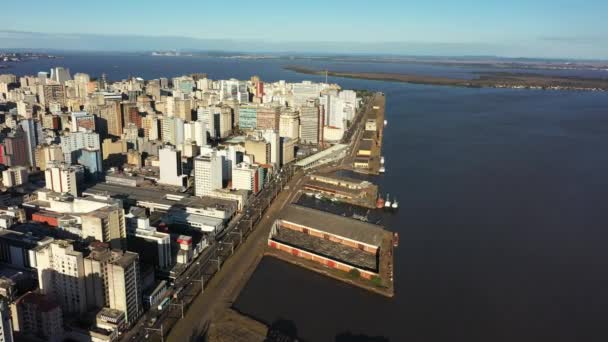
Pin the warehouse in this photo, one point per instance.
(335, 241)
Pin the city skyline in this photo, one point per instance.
(516, 29)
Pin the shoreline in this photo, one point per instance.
(485, 80)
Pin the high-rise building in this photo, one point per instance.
(172, 130)
(53, 93)
(233, 89)
(248, 117)
(245, 177)
(260, 149)
(61, 275)
(170, 161)
(14, 176)
(37, 316)
(310, 123)
(289, 126)
(151, 126)
(6, 326)
(92, 161)
(46, 154)
(268, 117)
(110, 115)
(74, 141)
(16, 148)
(81, 82)
(107, 225)
(208, 173)
(61, 177)
(60, 75)
(196, 131)
(82, 121)
(31, 133)
(272, 137)
(113, 281)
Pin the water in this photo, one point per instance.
(502, 216)
(502, 224)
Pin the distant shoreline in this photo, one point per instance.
(485, 80)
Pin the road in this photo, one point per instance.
(206, 269)
(224, 268)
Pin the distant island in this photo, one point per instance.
(485, 80)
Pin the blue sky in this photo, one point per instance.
(539, 28)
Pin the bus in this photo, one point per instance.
(163, 304)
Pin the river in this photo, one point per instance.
(502, 217)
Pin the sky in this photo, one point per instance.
(514, 28)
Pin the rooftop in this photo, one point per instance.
(334, 224)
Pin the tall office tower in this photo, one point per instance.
(61, 177)
(309, 123)
(92, 161)
(74, 141)
(37, 316)
(61, 275)
(233, 89)
(245, 177)
(60, 75)
(268, 117)
(106, 225)
(208, 173)
(248, 117)
(272, 137)
(6, 326)
(170, 161)
(260, 149)
(82, 121)
(102, 83)
(184, 84)
(81, 81)
(53, 93)
(289, 126)
(16, 148)
(14, 176)
(31, 132)
(110, 113)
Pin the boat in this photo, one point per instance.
(380, 202)
(395, 204)
(385, 122)
(382, 169)
(382, 160)
(395, 239)
(387, 203)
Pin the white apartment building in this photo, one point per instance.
(208, 173)
(15, 176)
(61, 275)
(171, 172)
(61, 177)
